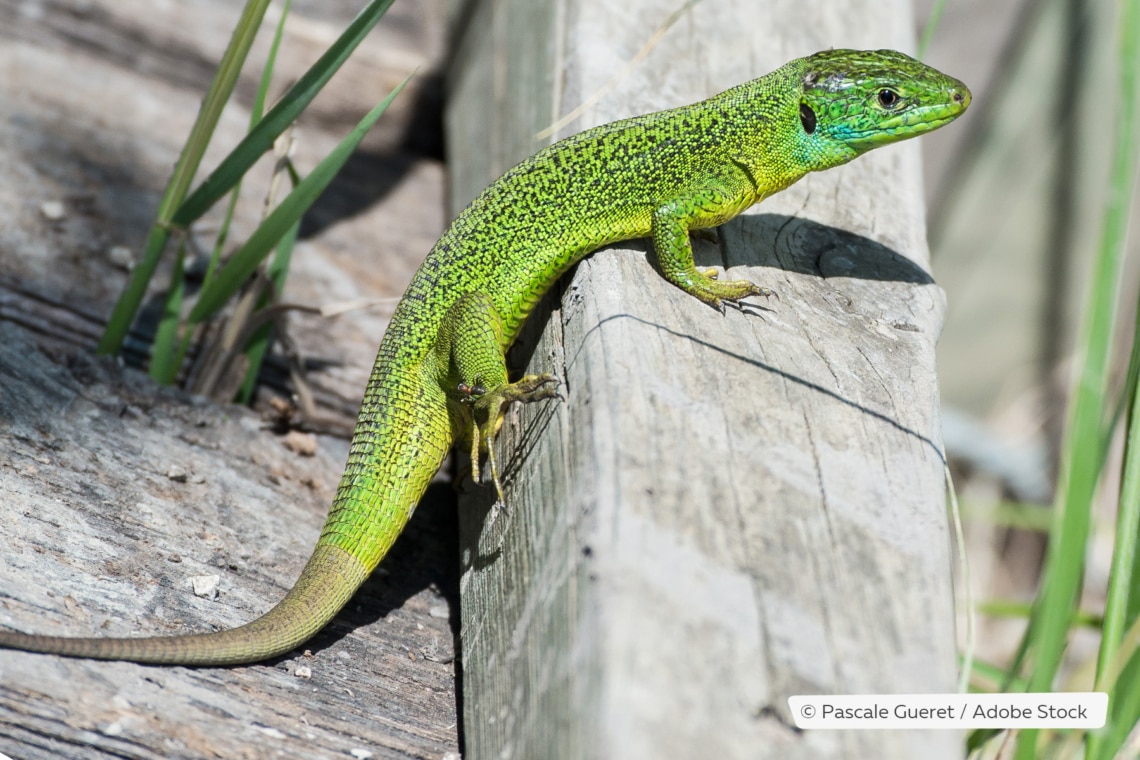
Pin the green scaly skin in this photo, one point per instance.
(440, 375)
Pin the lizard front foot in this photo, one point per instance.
(715, 293)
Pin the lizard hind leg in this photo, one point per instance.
(470, 348)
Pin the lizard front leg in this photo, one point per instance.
(469, 349)
(699, 207)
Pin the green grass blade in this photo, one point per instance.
(1083, 451)
(1005, 608)
(256, 111)
(243, 263)
(166, 357)
(1010, 514)
(931, 25)
(998, 679)
(1120, 611)
(1123, 703)
(260, 139)
(279, 267)
(995, 675)
(169, 350)
(259, 344)
(230, 66)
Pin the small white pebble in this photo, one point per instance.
(177, 473)
(121, 257)
(53, 211)
(300, 443)
(361, 754)
(303, 671)
(205, 585)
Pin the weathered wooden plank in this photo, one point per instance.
(115, 492)
(116, 495)
(726, 510)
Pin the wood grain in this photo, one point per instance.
(727, 510)
(116, 493)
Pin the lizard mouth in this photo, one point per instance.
(914, 121)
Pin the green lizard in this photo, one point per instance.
(440, 374)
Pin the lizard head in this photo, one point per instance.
(854, 100)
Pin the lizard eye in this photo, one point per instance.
(888, 98)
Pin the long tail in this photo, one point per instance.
(329, 580)
(391, 460)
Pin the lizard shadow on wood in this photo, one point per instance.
(804, 246)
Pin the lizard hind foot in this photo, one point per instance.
(489, 407)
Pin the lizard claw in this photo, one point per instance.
(489, 405)
(767, 292)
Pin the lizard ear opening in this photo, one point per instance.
(807, 118)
